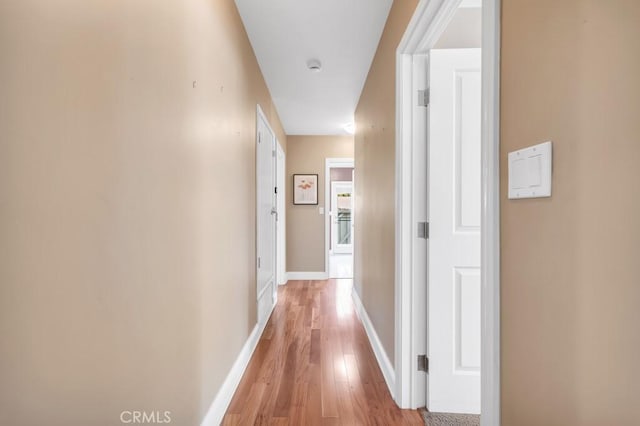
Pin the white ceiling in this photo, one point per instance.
(342, 34)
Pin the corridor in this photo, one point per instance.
(314, 365)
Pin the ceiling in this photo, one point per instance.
(342, 34)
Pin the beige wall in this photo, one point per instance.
(126, 206)
(570, 282)
(305, 226)
(375, 180)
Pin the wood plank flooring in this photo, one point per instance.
(314, 366)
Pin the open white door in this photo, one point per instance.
(341, 217)
(453, 383)
(265, 217)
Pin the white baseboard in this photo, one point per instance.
(222, 400)
(381, 355)
(307, 275)
(283, 280)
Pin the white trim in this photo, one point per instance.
(331, 163)
(285, 278)
(427, 24)
(303, 275)
(403, 366)
(381, 355)
(281, 223)
(470, 4)
(490, 257)
(221, 402)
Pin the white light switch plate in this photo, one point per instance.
(530, 172)
(321, 210)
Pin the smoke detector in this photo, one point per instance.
(314, 65)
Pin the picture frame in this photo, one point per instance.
(305, 189)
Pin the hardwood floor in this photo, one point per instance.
(314, 366)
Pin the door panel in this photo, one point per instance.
(467, 149)
(467, 315)
(265, 218)
(454, 241)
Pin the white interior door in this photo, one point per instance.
(453, 383)
(266, 217)
(342, 217)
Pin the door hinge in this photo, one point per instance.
(423, 230)
(275, 190)
(424, 97)
(258, 262)
(259, 137)
(273, 154)
(423, 363)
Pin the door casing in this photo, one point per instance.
(281, 196)
(427, 24)
(334, 185)
(331, 163)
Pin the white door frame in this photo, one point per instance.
(429, 21)
(331, 163)
(333, 228)
(281, 224)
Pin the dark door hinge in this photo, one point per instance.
(424, 97)
(423, 230)
(423, 363)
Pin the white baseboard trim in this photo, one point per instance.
(308, 275)
(381, 355)
(283, 280)
(221, 402)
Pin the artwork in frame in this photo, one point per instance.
(305, 189)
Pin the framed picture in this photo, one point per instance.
(305, 189)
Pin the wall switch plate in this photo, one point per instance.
(530, 172)
(320, 210)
